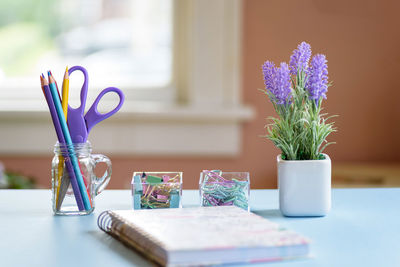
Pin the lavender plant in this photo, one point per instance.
(296, 92)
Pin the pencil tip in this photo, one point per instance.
(44, 81)
(66, 74)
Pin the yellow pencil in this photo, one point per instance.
(65, 91)
(64, 104)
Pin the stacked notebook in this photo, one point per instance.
(203, 235)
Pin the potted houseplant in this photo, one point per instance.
(300, 131)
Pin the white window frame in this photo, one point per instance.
(204, 119)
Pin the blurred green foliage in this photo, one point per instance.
(42, 12)
(27, 30)
(17, 181)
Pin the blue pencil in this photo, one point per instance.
(68, 141)
(61, 140)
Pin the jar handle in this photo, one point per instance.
(101, 182)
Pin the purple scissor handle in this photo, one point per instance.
(79, 124)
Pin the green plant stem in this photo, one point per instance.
(300, 131)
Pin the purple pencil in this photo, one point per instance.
(61, 140)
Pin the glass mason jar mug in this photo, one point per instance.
(74, 183)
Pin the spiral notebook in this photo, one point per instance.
(203, 235)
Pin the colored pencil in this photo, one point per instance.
(63, 183)
(65, 92)
(55, 82)
(57, 126)
(68, 142)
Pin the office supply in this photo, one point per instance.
(63, 184)
(83, 176)
(61, 139)
(55, 82)
(60, 167)
(203, 235)
(219, 188)
(63, 187)
(65, 93)
(153, 190)
(68, 142)
(79, 123)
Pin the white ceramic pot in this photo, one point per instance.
(304, 186)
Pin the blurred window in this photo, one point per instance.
(123, 43)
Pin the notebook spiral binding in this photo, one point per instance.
(104, 221)
(112, 224)
(108, 224)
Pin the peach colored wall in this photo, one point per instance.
(362, 42)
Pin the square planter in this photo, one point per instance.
(304, 186)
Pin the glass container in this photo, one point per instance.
(74, 183)
(154, 190)
(219, 188)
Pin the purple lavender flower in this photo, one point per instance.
(300, 58)
(277, 82)
(282, 84)
(317, 83)
(269, 72)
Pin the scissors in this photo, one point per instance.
(80, 124)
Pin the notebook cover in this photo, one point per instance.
(164, 235)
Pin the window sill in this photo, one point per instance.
(139, 129)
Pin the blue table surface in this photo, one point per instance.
(362, 229)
